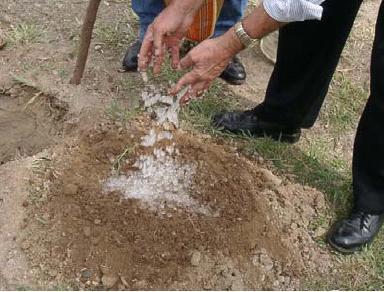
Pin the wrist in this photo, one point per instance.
(232, 43)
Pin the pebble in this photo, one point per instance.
(97, 221)
(109, 280)
(270, 177)
(196, 258)
(86, 273)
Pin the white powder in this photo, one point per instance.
(166, 108)
(160, 181)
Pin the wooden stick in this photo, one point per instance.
(85, 41)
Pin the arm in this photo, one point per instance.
(211, 57)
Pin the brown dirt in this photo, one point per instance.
(259, 240)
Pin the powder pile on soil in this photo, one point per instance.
(160, 181)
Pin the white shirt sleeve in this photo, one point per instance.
(293, 10)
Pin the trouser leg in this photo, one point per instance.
(232, 12)
(368, 160)
(146, 10)
(308, 54)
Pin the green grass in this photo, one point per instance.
(344, 106)
(114, 35)
(119, 159)
(120, 112)
(26, 33)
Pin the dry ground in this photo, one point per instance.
(60, 230)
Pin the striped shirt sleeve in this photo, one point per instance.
(293, 10)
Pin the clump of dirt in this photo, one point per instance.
(256, 237)
(30, 120)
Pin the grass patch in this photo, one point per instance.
(118, 111)
(344, 105)
(114, 35)
(26, 33)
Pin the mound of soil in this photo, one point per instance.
(30, 120)
(257, 236)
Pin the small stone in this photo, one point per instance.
(196, 258)
(87, 231)
(109, 280)
(270, 177)
(70, 189)
(266, 262)
(85, 273)
(25, 204)
(97, 221)
(98, 48)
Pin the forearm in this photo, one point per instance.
(186, 7)
(257, 25)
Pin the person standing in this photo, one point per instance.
(312, 36)
(147, 10)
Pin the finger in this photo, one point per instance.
(194, 92)
(199, 88)
(146, 51)
(158, 62)
(188, 79)
(158, 45)
(185, 62)
(175, 56)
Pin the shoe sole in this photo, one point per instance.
(278, 137)
(345, 250)
(233, 82)
(132, 69)
(284, 138)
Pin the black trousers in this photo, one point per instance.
(308, 54)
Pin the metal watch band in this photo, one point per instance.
(244, 38)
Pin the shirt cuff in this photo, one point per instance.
(293, 10)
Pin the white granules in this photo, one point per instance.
(161, 181)
(153, 137)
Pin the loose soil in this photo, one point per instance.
(258, 237)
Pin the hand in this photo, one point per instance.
(208, 60)
(164, 34)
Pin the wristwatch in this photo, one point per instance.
(244, 38)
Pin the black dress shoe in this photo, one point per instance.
(355, 232)
(131, 57)
(234, 73)
(248, 123)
